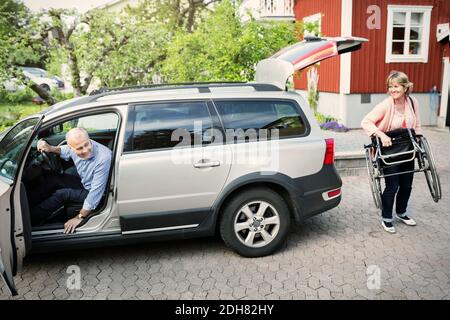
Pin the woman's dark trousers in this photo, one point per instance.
(398, 188)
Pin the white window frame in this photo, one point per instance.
(425, 43)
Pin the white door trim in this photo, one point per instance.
(444, 92)
(346, 58)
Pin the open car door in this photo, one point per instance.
(13, 233)
(7, 245)
(278, 68)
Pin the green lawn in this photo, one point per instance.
(11, 113)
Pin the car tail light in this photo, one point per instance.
(334, 193)
(329, 152)
(328, 195)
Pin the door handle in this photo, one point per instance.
(205, 163)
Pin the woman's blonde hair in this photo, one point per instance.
(401, 78)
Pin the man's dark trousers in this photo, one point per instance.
(58, 190)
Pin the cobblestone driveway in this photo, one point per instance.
(326, 257)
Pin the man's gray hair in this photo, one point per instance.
(76, 132)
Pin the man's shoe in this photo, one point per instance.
(407, 220)
(388, 226)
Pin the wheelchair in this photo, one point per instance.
(419, 149)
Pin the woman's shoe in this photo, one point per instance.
(388, 226)
(407, 220)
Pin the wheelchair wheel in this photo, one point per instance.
(374, 181)
(429, 166)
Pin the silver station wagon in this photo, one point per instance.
(239, 159)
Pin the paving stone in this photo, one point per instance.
(325, 257)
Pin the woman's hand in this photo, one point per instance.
(385, 140)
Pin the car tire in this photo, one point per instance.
(45, 87)
(255, 223)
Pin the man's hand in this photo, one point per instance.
(42, 145)
(70, 225)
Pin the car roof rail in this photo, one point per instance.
(201, 86)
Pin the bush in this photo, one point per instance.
(334, 126)
(329, 123)
(61, 96)
(15, 97)
(321, 118)
(10, 113)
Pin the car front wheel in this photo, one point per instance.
(255, 223)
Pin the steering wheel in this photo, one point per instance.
(52, 160)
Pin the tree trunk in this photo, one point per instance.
(41, 92)
(191, 16)
(75, 72)
(44, 94)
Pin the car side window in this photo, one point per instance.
(168, 125)
(262, 114)
(101, 128)
(12, 147)
(94, 123)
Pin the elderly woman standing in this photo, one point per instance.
(397, 111)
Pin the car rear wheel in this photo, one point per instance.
(255, 223)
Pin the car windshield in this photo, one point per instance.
(36, 72)
(12, 146)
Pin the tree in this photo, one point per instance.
(224, 48)
(176, 14)
(135, 59)
(20, 45)
(153, 25)
(86, 41)
(121, 49)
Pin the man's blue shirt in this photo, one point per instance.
(93, 171)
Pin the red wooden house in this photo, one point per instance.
(406, 35)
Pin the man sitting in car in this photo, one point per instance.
(92, 161)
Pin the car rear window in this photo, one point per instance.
(282, 116)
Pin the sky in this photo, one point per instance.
(80, 5)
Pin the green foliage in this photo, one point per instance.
(24, 96)
(171, 40)
(20, 43)
(61, 96)
(311, 28)
(313, 99)
(117, 49)
(11, 113)
(16, 97)
(223, 48)
(321, 118)
(55, 61)
(139, 47)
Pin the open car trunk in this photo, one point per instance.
(278, 68)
